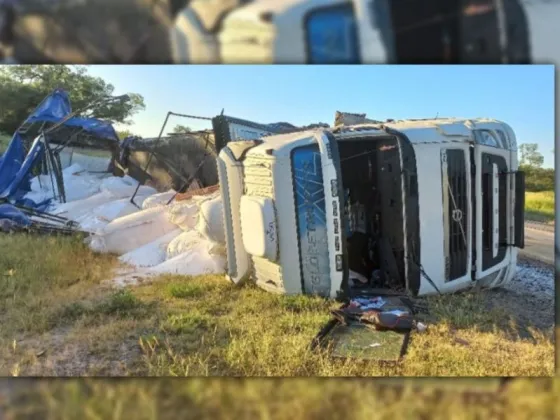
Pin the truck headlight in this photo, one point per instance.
(332, 36)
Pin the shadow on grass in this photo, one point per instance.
(496, 310)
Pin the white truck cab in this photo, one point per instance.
(351, 31)
(422, 206)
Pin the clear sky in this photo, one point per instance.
(522, 96)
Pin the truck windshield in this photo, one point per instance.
(311, 221)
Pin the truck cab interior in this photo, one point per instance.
(375, 233)
(459, 31)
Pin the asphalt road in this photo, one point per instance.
(539, 244)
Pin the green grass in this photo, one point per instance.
(539, 206)
(283, 399)
(59, 318)
(102, 153)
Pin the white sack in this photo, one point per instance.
(156, 200)
(118, 208)
(133, 231)
(125, 187)
(102, 215)
(210, 220)
(184, 242)
(151, 254)
(183, 213)
(78, 208)
(196, 261)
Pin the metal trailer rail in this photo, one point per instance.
(158, 141)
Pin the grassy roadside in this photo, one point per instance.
(282, 399)
(539, 206)
(59, 318)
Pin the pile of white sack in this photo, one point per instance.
(184, 237)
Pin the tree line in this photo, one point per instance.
(531, 160)
(23, 87)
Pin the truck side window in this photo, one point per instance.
(332, 36)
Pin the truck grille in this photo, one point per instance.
(258, 177)
(455, 214)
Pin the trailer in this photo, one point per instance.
(421, 206)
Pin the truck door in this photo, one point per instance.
(494, 31)
(499, 193)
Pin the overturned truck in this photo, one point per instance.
(422, 206)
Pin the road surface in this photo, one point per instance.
(539, 244)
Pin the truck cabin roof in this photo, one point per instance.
(484, 131)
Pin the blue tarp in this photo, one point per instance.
(16, 167)
(57, 106)
(20, 181)
(54, 108)
(101, 129)
(8, 211)
(11, 161)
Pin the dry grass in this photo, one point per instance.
(59, 319)
(283, 399)
(41, 278)
(539, 206)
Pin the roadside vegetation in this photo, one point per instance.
(539, 184)
(59, 317)
(284, 399)
(539, 206)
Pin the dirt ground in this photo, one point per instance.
(531, 293)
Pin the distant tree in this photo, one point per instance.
(23, 87)
(181, 129)
(530, 156)
(123, 134)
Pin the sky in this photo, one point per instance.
(522, 96)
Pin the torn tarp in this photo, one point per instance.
(13, 214)
(57, 106)
(11, 161)
(16, 218)
(19, 182)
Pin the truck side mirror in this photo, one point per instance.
(519, 211)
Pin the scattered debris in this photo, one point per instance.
(387, 319)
